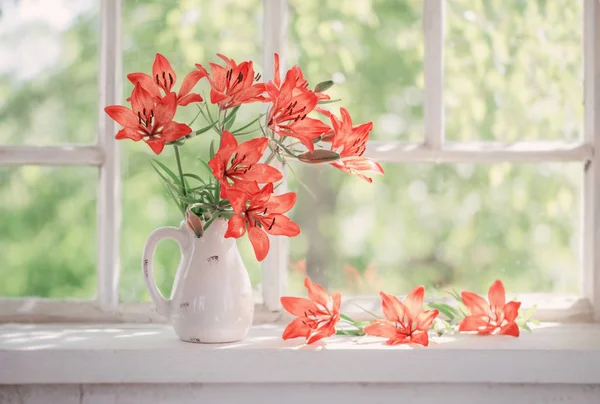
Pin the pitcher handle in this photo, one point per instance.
(182, 237)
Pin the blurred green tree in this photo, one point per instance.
(513, 72)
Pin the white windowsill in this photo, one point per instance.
(118, 353)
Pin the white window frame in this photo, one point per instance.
(433, 149)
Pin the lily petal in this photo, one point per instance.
(236, 227)
(281, 203)
(237, 199)
(165, 109)
(129, 133)
(474, 323)
(511, 311)
(424, 320)
(280, 225)
(300, 307)
(414, 302)
(497, 296)
(122, 115)
(384, 329)
(175, 130)
(260, 242)
(156, 144)
(475, 303)
(420, 337)
(146, 82)
(228, 146)
(188, 99)
(510, 329)
(163, 74)
(393, 309)
(263, 173)
(316, 292)
(190, 81)
(297, 328)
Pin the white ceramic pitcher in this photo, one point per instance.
(211, 301)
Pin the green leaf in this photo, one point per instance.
(347, 318)
(245, 133)
(211, 151)
(168, 171)
(455, 295)
(194, 120)
(171, 189)
(350, 333)
(284, 148)
(196, 177)
(189, 200)
(236, 132)
(328, 101)
(367, 311)
(524, 326)
(203, 130)
(463, 309)
(228, 122)
(179, 142)
(179, 206)
(174, 188)
(323, 86)
(205, 165)
(231, 115)
(529, 313)
(445, 309)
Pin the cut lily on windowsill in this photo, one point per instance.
(405, 322)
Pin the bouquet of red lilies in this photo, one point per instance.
(241, 187)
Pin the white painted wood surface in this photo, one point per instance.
(479, 152)
(591, 193)
(58, 354)
(274, 267)
(549, 307)
(433, 108)
(302, 394)
(65, 155)
(109, 187)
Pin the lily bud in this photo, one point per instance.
(194, 223)
(323, 86)
(318, 156)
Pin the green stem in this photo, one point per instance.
(178, 158)
(271, 157)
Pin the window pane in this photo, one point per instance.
(514, 70)
(186, 33)
(373, 51)
(49, 54)
(48, 232)
(444, 226)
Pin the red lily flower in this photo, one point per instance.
(163, 78)
(496, 318)
(406, 323)
(148, 120)
(316, 316)
(292, 102)
(263, 213)
(350, 143)
(232, 85)
(301, 82)
(244, 167)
